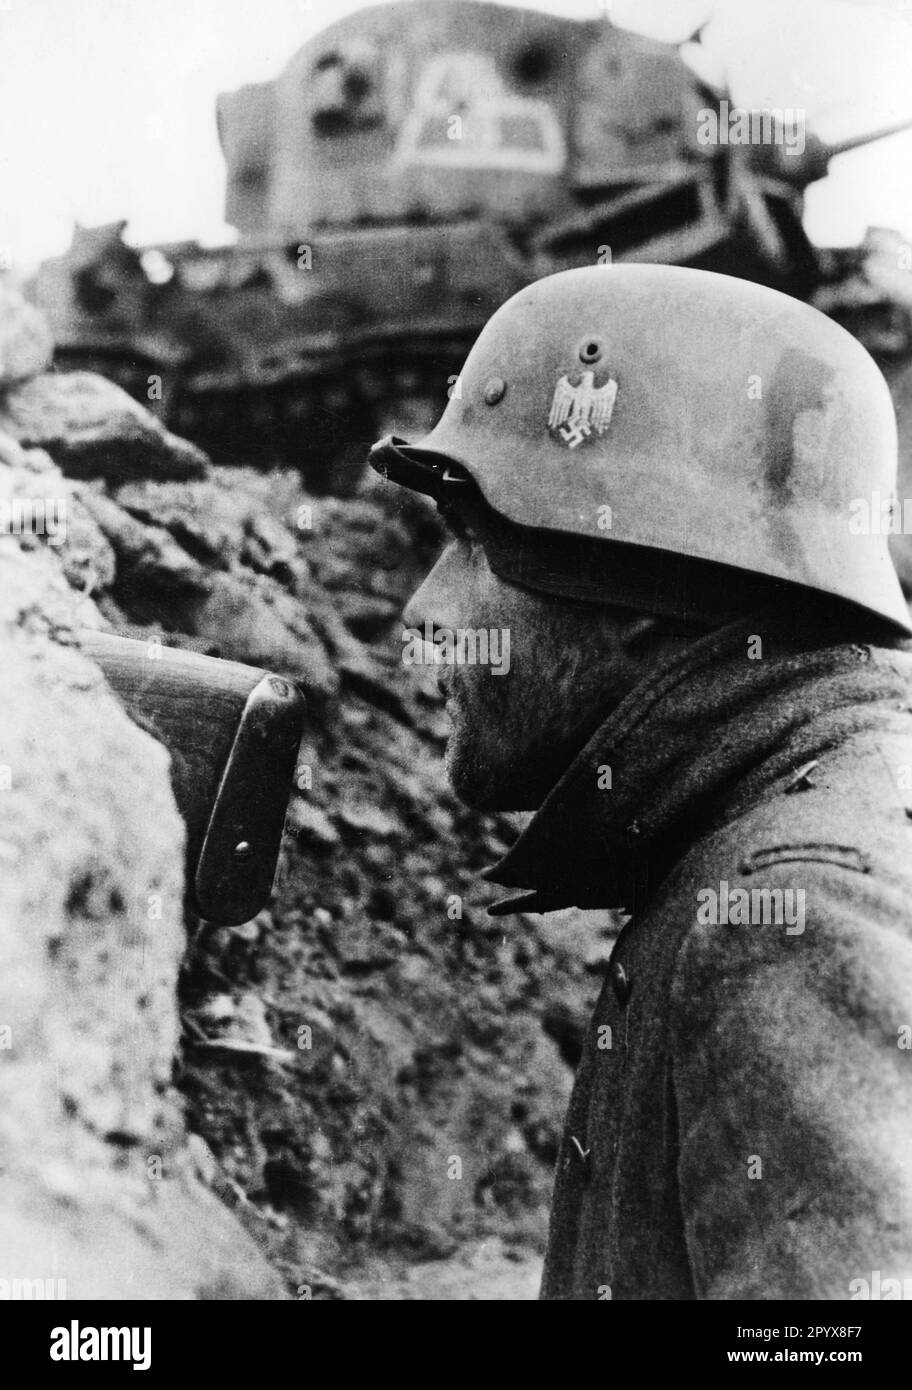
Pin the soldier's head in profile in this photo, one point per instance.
(670, 489)
(633, 457)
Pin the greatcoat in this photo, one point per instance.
(741, 1123)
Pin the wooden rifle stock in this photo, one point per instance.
(233, 733)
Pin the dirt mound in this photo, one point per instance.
(99, 1198)
(375, 1069)
(427, 1044)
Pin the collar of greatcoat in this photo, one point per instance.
(692, 747)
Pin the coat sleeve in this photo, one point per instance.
(793, 1085)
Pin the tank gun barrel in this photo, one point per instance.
(808, 165)
(857, 142)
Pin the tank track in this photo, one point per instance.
(319, 416)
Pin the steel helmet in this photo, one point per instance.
(665, 412)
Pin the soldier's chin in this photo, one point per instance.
(468, 775)
(481, 782)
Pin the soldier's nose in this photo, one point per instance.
(437, 598)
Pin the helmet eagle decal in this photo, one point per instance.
(753, 431)
(578, 410)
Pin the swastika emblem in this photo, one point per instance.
(574, 434)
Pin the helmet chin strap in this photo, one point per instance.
(421, 470)
(576, 568)
(611, 574)
(584, 569)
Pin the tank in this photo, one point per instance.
(412, 167)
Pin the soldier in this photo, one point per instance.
(667, 488)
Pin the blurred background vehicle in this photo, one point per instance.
(409, 170)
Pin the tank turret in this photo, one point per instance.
(444, 109)
(413, 166)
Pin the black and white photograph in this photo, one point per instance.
(456, 665)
